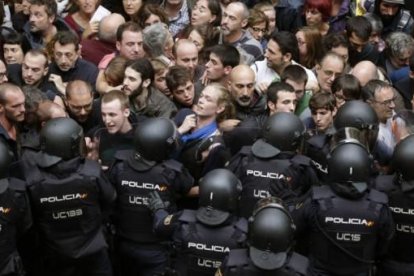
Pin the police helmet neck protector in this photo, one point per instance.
(155, 139)
(5, 159)
(62, 137)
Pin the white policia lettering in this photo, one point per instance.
(68, 197)
(147, 186)
(354, 221)
(204, 247)
(320, 167)
(265, 174)
(399, 210)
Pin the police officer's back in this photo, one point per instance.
(272, 158)
(400, 189)
(135, 174)
(270, 240)
(15, 217)
(68, 195)
(349, 224)
(204, 236)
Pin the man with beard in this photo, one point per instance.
(43, 23)
(233, 22)
(81, 105)
(181, 86)
(67, 64)
(251, 110)
(34, 72)
(358, 31)
(393, 15)
(12, 112)
(144, 98)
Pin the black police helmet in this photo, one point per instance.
(155, 139)
(356, 114)
(282, 131)
(5, 159)
(271, 234)
(349, 163)
(63, 138)
(403, 158)
(218, 196)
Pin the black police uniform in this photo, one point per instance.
(141, 251)
(399, 259)
(15, 218)
(258, 175)
(239, 263)
(68, 199)
(317, 148)
(347, 233)
(200, 248)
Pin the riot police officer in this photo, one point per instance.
(399, 260)
(135, 174)
(15, 217)
(69, 195)
(204, 236)
(357, 115)
(270, 240)
(271, 158)
(349, 224)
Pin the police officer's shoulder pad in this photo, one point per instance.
(266, 259)
(378, 196)
(45, 160)
(188, 216)
(322, 192)
(140, 164)
(298, 263)
(318, 140)
(245, 150)
(17, 184)
(237, 257)
(301, 160)
(174, 165)
(262, 149)
(123, 154)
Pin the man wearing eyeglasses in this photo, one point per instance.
(331, 66)
(381, 96)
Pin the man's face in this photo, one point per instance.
(131, 45)
(323, 118)
(14, 107)
(40, 21)
(330, 68)
(232, 20)
(342, 52)
(114, 116)
(132, 83)
(187, 56)
(286, 102)
(402, 60)
(65, 56)
(184, 94)
(384, 103)
(160, 83)
(299, 88)
(13, 53)
(80, 105)
(3, 73)
(214, 68)
(34, 68)
(274, 56)
(207, 105)
(388, 10)
(242, 88)
(357, 44)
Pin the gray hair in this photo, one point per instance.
(375, 21)
(155, 37)
(397, 43)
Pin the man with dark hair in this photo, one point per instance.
(337, 43)
(282, 50)
(180, 84)
(233, 22)
(13, 48)
(393, 15)
(144, 98)
(67, 64)
(43, 23)
(358, 31)
(281, 97)
(129, 44)
(406, 85)
(323, 109)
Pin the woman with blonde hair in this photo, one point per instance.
(310, 46)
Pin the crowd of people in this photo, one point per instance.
(206, 137)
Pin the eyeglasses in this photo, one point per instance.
(3, 74)
(386, 102)
(258, 30)
(87, 107)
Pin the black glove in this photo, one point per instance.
(155, 202)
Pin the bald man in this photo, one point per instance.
(185, 53)
(94, 49)
(365, 71)
(48, 110)
(251, 109)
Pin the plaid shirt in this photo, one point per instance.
(178, 23)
